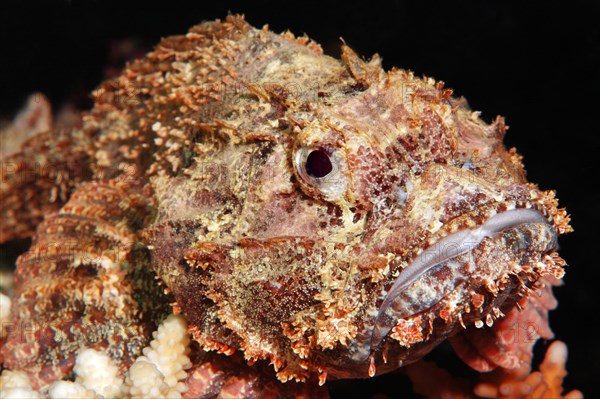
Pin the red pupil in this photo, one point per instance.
(318, 164)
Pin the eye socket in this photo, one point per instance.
(318, 164)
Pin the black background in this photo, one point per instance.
(537, 64)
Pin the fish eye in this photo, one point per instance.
(318, 164)
(320, 172)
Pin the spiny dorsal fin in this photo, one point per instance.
(364, 72)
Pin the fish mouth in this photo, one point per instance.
(396, 305)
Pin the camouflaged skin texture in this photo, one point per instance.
(193, 166)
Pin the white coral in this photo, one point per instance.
(16, 385)
(145, 381)
(19, 393)
(161, 371)
(97, 372)
(5, 303)
(70, 390)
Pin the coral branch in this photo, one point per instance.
(520, 383)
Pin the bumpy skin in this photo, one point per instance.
(197, 156)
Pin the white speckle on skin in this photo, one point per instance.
(401, 195)
(468, 165)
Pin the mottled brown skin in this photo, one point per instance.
(206, 138)
(85, 281)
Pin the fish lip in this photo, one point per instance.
(463, 242)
